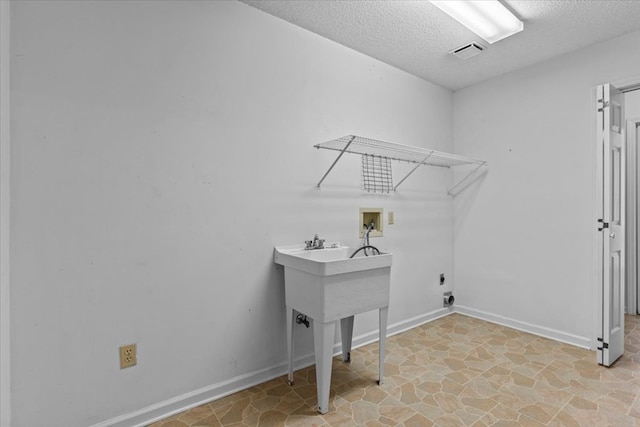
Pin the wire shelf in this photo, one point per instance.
(368, 147)
(361, 145)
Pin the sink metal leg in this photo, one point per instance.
(323, 337)
(383, 341)
(346, 330)
(291, 318)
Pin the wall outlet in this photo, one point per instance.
(391, 218)
(128, 356)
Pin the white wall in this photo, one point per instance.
(5, 164)
(159, 151)
(524, 235)
(632, 104)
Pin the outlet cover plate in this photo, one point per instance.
(128, 356)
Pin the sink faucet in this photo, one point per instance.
(316, 243)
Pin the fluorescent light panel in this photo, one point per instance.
(487, 18)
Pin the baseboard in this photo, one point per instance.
(554, 334)
(397, 328)
(167, 408)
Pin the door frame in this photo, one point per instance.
(625, 85)
(633, 184)
(633, 217)
(632, 187)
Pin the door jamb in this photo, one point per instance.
(628, 85)
(625, 85)
(631, 292)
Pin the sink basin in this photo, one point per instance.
(332, 260)
(327, 285)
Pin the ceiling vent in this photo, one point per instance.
(468, 50)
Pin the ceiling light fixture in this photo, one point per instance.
(489, 19)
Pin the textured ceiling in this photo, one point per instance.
(416, 37)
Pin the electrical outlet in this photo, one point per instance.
(128, 356)
(391, 218)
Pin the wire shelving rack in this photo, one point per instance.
(404, 153)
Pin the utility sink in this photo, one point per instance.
(333, 259)
(327, 285)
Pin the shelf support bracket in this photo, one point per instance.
(412, 171)
(452, 191)
(336, 160)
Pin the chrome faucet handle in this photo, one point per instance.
(316, 243)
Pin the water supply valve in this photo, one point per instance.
(301, 319)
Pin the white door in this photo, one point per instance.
(611, 172)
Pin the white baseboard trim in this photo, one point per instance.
(396, 328)
(167, 408)
(554, 334)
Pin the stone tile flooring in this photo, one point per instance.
(454, 371)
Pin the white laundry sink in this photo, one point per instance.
(326, 285)
(333, 259)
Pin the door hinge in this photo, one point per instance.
(604, 344)
(604, 225)
(604, 103)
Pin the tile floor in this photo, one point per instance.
(455, 371)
